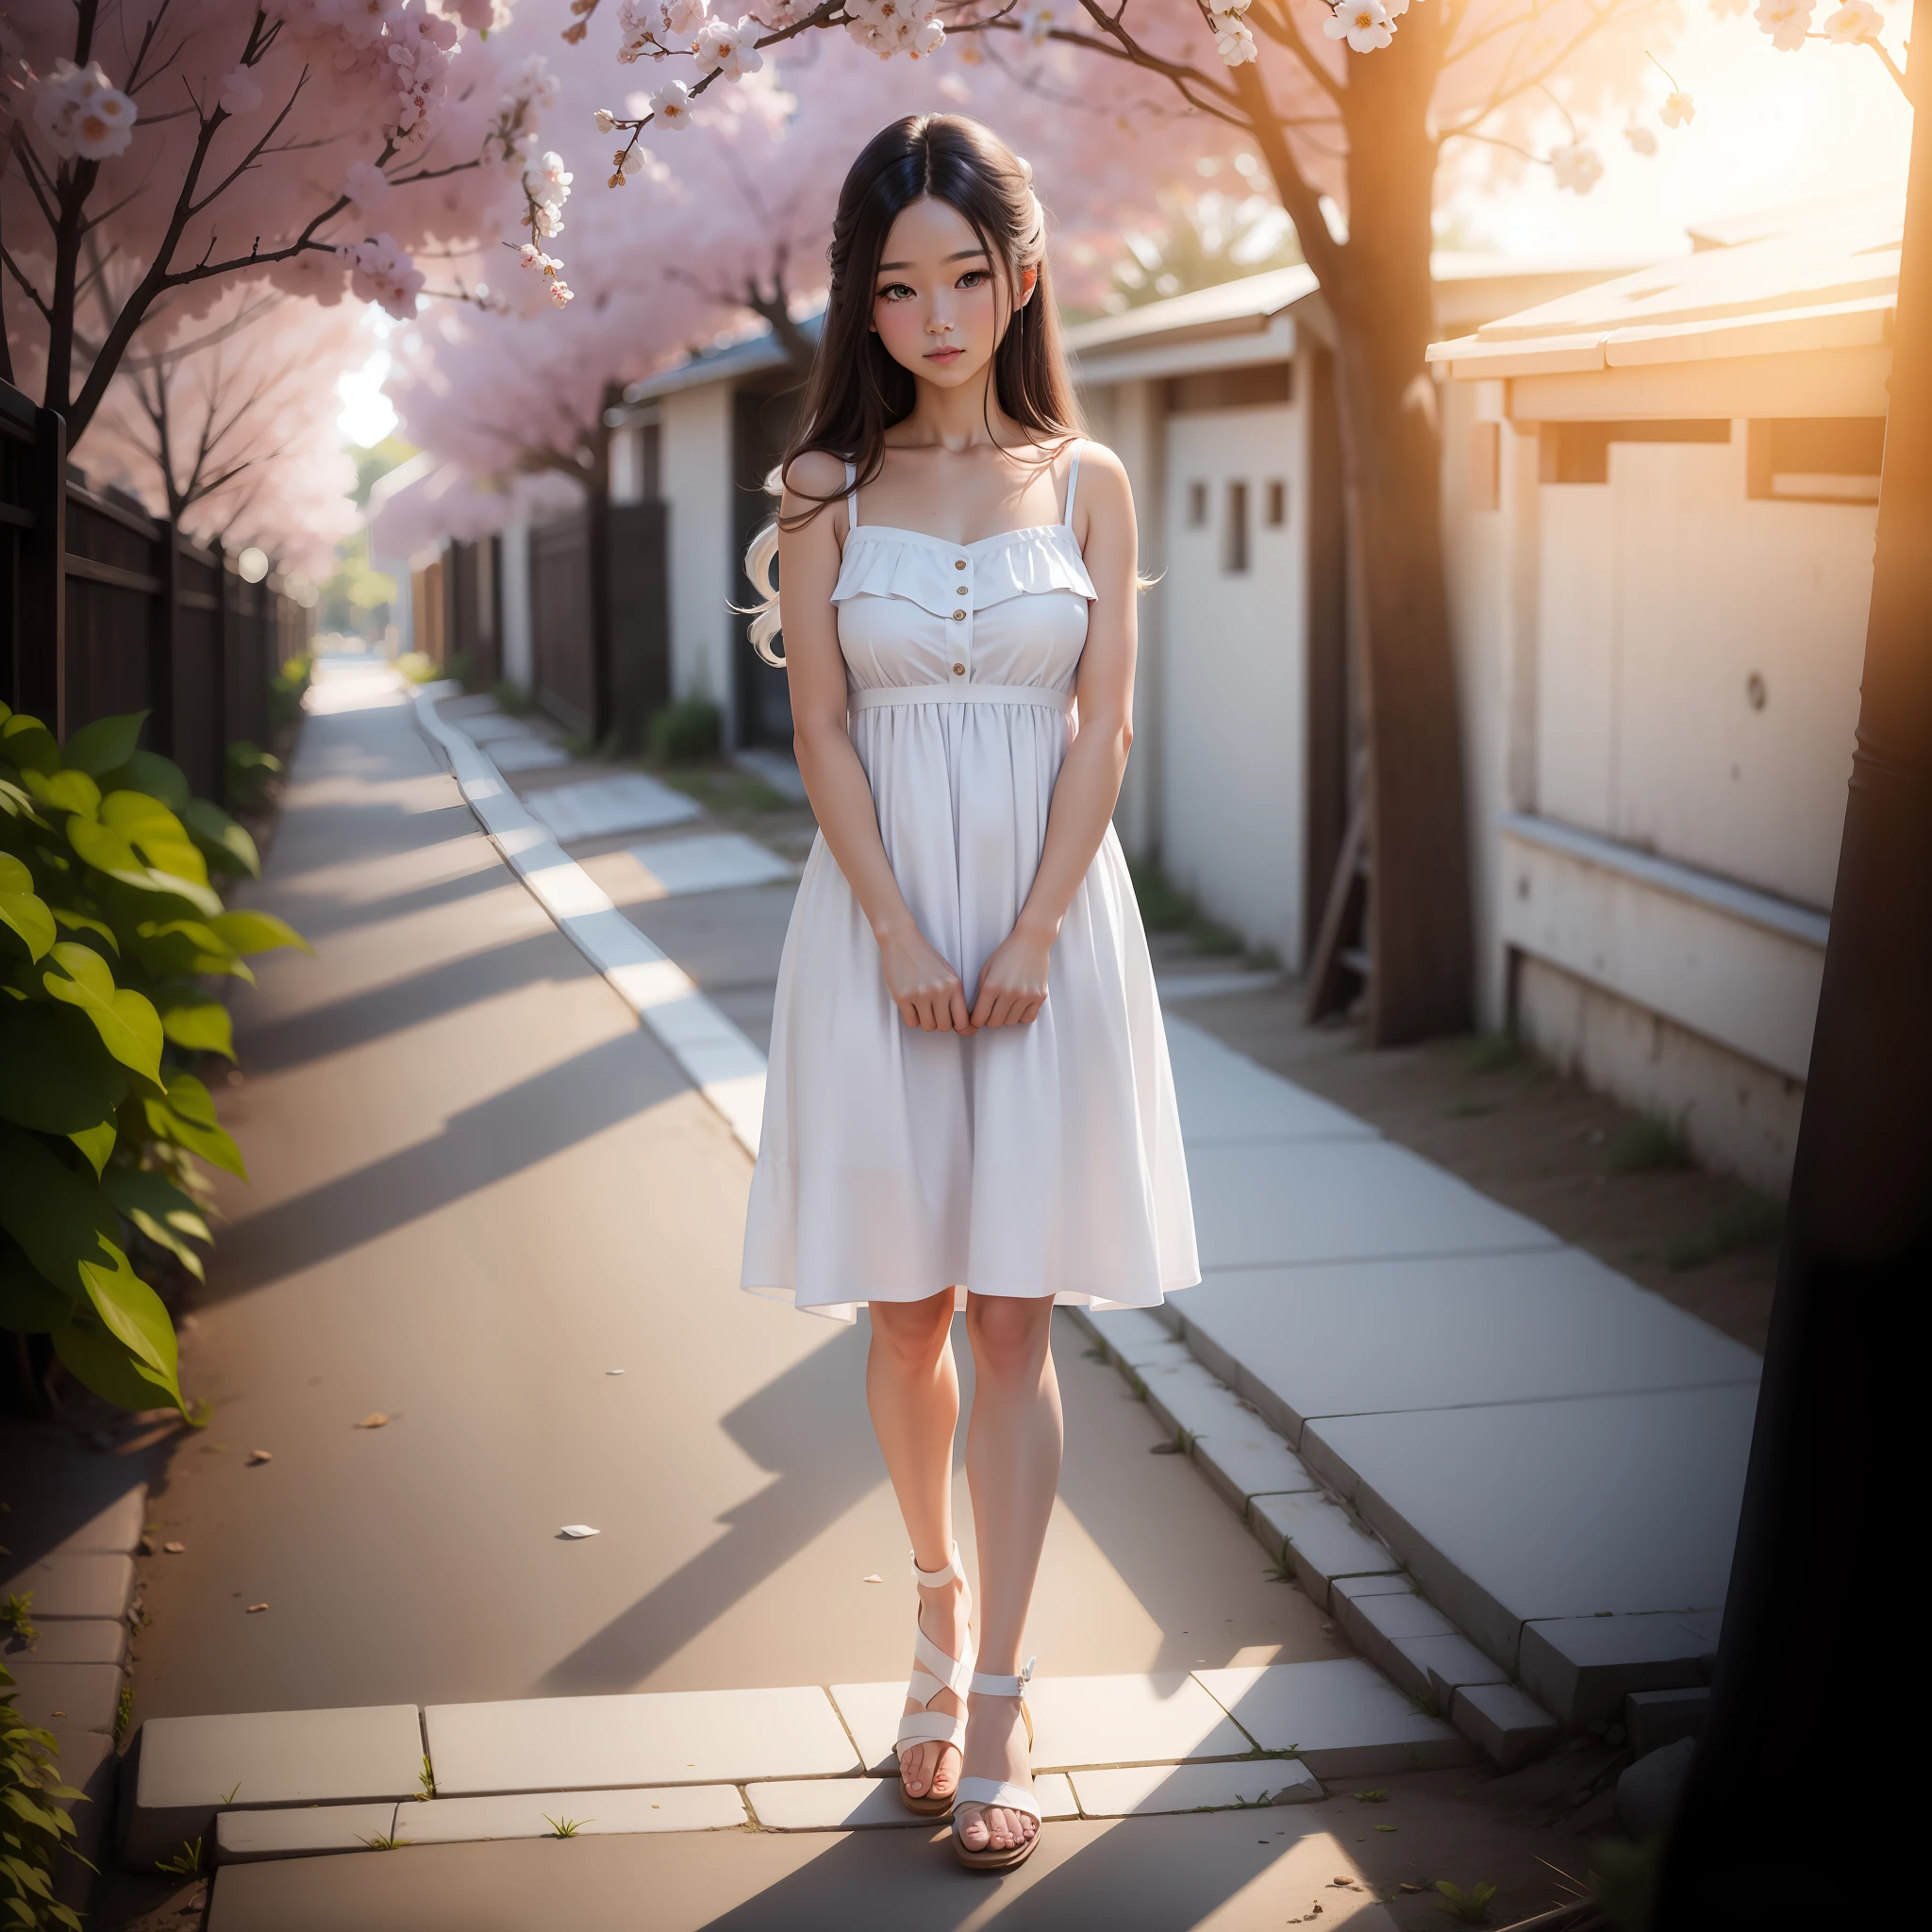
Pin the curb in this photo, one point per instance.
(715, 1056)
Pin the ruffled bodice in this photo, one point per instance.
(1007, 611)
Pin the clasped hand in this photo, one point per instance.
(930, 995)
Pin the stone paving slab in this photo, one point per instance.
(863, 1803)
(1340, 1201)
(525, 753)
(1159, 1718)
(1533, 1510)
(1506, 1723)
(1584, 1667)
(1134, 1336)
(117, 1527)
(598, 808)
(709, 862)
(191, 1767)
(872, 1713)
(75, 1583)
(305, 1832)
(662, 1738)
(1323, 1544)
(1225, 1096)
(70, 1640)
(1375, 1336)
(1438, 1667)
(66, 1697)
(1341, 1718)
(90, 1763)
(1146, 1791)
(537, 1814)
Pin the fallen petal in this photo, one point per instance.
(875, 1577)
(255, 1455)
(173, 1549)
(373, 1420)
(252, 1608)
(613, 1372)
(575, 1530)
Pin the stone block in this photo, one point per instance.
(662, 1738)
(1134, 1336)
(1323, 1544)
(596, 1814)
(1584, 1667)
(1650, 1790)
(66, 1697)
(1506, 1723)
(1446, 1664)
(1657, 1717)
(707, 862)
(70, 1640)
(598, 808)
(872, 1713)
(863, 1803)
(90, 1763)
(1241, 1457)
(1374, 1625)
(1341, 1718)
(1181, 1395)
(116, 1530)
(306, 1831)
(1160, 1718)
(189, 1767)
(1147, 1790)
(75, 1583)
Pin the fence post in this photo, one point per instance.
(41, 648)
(220, 636)
(160, 641)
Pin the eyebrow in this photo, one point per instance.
(963, 255)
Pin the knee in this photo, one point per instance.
(1010, 1337)
(909, 1337)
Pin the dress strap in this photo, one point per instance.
(1073, 484)
(851, 497)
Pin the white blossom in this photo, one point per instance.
(1036, 25)
(1363, 24)
(529, 256)
(1234, 41)
(605, 120)
(1855, 21)
(728, 50)
(381, 272)
(671, 105)
(367, 187)
(241, 92)
(561, 294)
(1641, 139)
(1576, 166)
(82, 114)
(686, 16)
(1679, 110)
(1787, 22)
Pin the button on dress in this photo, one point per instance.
(1033, 1160)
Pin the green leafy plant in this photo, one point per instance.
(418, 668)
(565, 1828)
(285, 691)
(184, 1863)
(1471, 1907)
(36, 1827)
(111, 930)
(426, 1779)
(685, 732)
(1378, 1796)
(513, 697)
(386, 1842)
(250, 770)
(124, 1711)
(17, 1614)
(1640, 1145)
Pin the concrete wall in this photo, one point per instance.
(519, 662)
(697, 457)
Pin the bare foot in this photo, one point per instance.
(933, 1769)
(995, 1748)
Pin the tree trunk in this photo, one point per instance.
(1382, 299)
(1797, 1685)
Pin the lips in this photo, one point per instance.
(943, 355)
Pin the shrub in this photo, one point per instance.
(1643, 1144)
(683, 733)
(250, 770)
(285, 691)
(514, 698)
(110, 928)
(419, 669)
(35, 1825)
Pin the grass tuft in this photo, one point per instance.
(1750, 1223)
(1471, 1907)
(1492, 1053)
(1640, 1146)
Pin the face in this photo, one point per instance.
(940, 304)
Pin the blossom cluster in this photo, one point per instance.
(82, 114)
(1365, 24)
(382, 273)
(546, 188)
(886, 27)
(400, 42)
(1789, 22)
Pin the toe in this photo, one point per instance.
(973, 1833)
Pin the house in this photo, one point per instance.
(1221, 402)
(1663, 502)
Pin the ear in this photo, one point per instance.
(1029, 281)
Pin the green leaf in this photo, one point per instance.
(200, 1027)
(29, 1303)
(58, 1218)
(182, 948)
(72, 792)
(82, 921)
(97, 1144)
(160, 1210)
(149, 771)
(25, 911)
(126, 1020)
(249, 931)
(99, 1361)
(56, 1074)
(131, 1311)
(108, 851)
(27, 743)
(104, 743)
(18, 803)
(220, 837)
(187, 1117)
(156, 833)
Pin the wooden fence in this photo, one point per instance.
(105, 610)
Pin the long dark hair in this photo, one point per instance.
(856, 390)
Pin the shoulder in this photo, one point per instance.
(1103, 483)
(815, 473)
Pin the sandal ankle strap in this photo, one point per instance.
(931, 1579)
(984, 1685)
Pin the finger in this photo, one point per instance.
(982, 1005)
(963, 1022)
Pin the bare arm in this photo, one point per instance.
(1013, 986)
(922, 983)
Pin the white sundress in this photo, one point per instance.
(1032, 1161)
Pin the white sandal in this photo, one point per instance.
(993, 1792)
(933, 1672)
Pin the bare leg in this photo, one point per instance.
(913, 1390)
(1013, 1447)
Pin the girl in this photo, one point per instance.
(969, 1092)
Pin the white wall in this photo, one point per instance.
(1234, 677)
(695, 459)
(1129, 420)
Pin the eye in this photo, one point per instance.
(973, 278)
(895, 291)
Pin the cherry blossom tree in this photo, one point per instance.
(157, 151)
